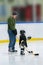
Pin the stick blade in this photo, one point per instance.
(36, 54)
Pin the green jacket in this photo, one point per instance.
(11, 23)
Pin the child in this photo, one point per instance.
(22, 42)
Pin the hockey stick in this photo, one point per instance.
(36, 54)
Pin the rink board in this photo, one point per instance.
(35, 30)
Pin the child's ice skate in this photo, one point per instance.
(22, 53)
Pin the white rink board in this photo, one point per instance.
(32, 29)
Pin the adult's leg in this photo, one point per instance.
(11, 38)
(14, 42)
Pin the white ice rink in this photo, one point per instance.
(7, 58)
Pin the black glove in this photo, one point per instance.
(15, 31)
(29, 37)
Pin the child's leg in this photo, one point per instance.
(22, 50)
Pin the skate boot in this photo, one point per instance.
(22, 53)
(12, 50)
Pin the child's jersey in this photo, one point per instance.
(23, 37)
